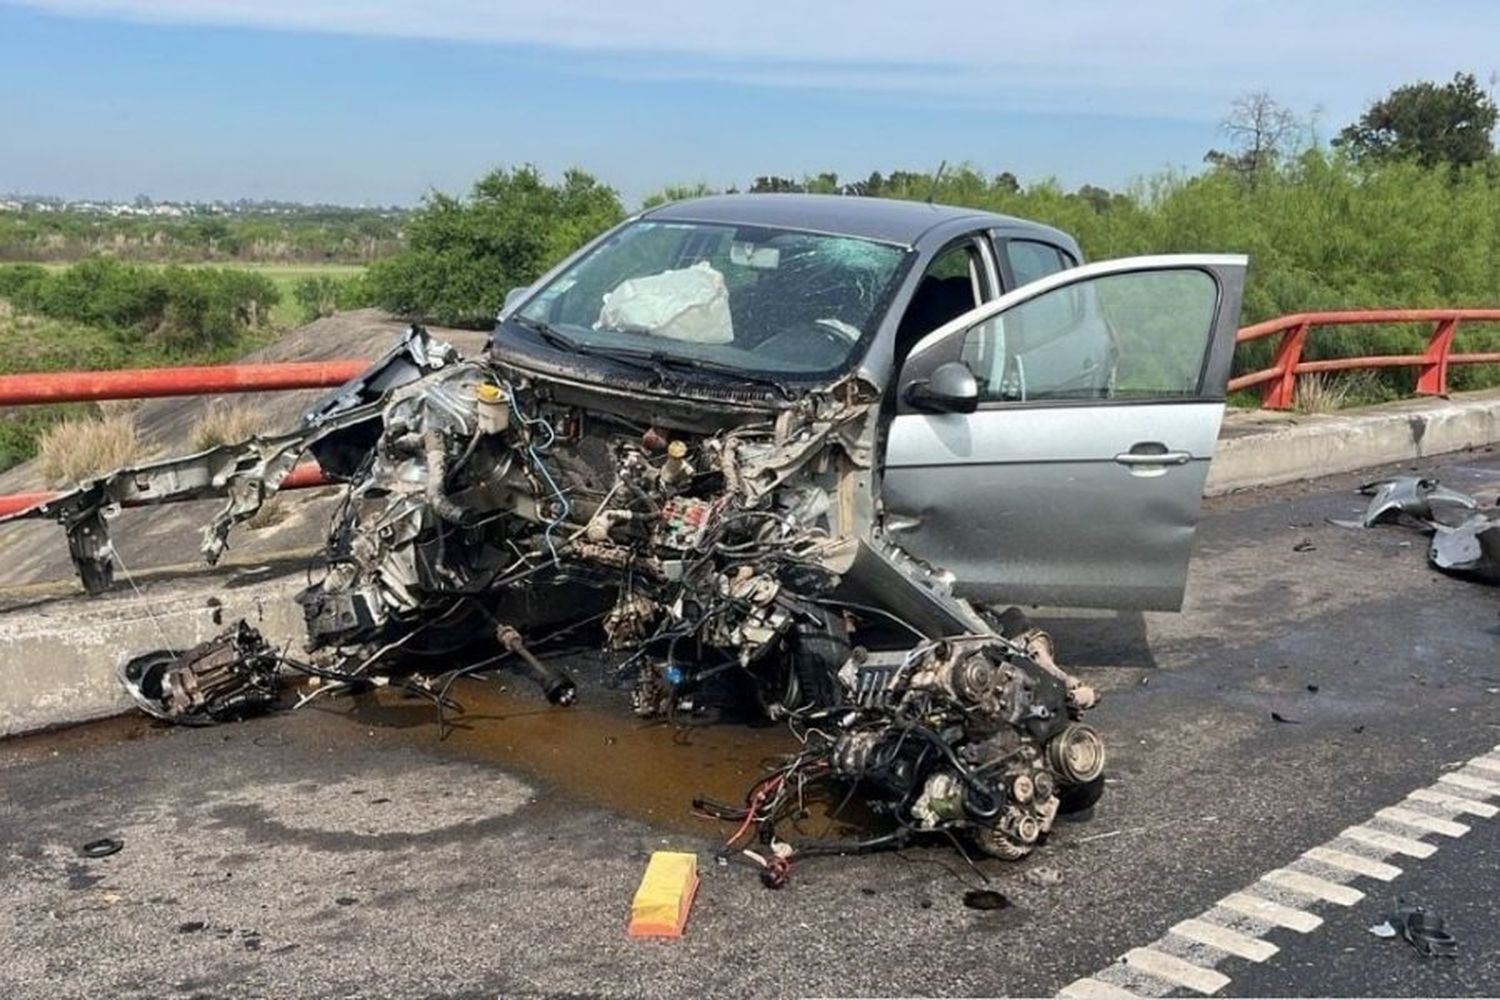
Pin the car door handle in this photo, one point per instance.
(1154, 458)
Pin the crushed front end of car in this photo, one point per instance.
(709, 534)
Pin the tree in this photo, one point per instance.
(463, 255)
(775, 185)
(1259, 129)
(1427, 123)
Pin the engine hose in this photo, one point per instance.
(437, 472)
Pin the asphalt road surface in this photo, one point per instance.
(343, 850)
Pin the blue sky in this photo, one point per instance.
(360, 101)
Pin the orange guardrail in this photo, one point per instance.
(32, 388)
(1279, 381)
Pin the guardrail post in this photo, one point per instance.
(1432, 380)
(1280, 393)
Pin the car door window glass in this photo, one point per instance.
(1135, 335)
(1030, 260)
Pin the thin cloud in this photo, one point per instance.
(1165, 57)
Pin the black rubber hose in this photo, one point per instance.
(554, 682)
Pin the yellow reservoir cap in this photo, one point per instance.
(677, 449)
(489, 392)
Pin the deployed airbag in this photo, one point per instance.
(690, 303)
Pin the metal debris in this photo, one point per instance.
(1424, 931)
(957, 738)
(1470, 548)
(1412, 496)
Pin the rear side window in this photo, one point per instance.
(1030, 260)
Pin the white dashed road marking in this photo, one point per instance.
(1472, 783)
(1390, 842)
(1271, 912)
(1176, 970)
(1311, 885)
(1093, 989)
(1422, 821)
(1356, 863)
(1225, 939)
(1187, 956)
(1455, 802)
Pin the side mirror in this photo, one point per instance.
(512, 297)
(952, 388)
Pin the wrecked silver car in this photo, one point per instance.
(810, 443)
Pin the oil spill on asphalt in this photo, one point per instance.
(595, 751)
(598, 752)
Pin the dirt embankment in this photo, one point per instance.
(37, 552)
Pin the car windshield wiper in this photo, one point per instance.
(563, 342)
(679, 363)
(656, 362)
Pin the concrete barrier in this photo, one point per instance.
(59, 649)
(59, 652)
(1259, 448)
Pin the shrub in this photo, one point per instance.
(180, 307)
(323, 295)
(212, 307)
(18, 281)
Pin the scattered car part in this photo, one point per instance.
(233, 675)
(1412, 496)
(101, 848)
(1470, 549)
(1424, 931)
(665, 896)
(555, 684)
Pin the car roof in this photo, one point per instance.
(887, 219)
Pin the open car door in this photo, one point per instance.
(1050, 447)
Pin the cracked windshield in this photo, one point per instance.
(763, 300)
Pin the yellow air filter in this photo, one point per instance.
(661, 904)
